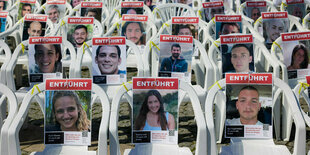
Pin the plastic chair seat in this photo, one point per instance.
(157, 149)
(254, 147)
(59, 149)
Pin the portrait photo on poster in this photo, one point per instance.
(254, 10)
(272, 28)
(79, 33)
(224, 28)
(3, 5)
(25, 8)
(237, 58)
(55, 12)
(44, 61)
(210, 12)
(155, 116)
(91, 9)
(67, 116)
(33, 29)
(297, 10)
(175, 59)
(134, 31)
(185, 29)
(296, 58)
(125, 10)
(109, 62)
(248, 106)
(2, 24)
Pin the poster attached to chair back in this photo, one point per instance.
(132, 8)
(308, 82)
(248, 105)
(68, 111)
(45, 58)
(296, 54)
(296, 8)
(175, 56)
(134, 29)
(79, 30)
(91, 9)
(210, 9)
(155, 110)
(34, 26)
(4, 5)
(55, 9)
(274, 23)
(25, 7)
(109, 60)
(227, 24)
(185, 26)
(237, 54)
(254, 9)
(3, 16)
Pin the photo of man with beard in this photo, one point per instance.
(174, 63)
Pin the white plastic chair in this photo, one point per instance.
(202, 67)
(157, 149)
(5, 122)
(301, 91)
(13, 141)
(255, 146)
(163, 12)
(5, 57)
(115, 15)
(246, 29)
(87, 57)
(20, 56)
(261, 54)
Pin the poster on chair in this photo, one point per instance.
(274, 23)
(254, 9)
(25, 7)
(185, 26)
(248, 105)
(79, 30)
(91, 9)
(237, 54)
(132, 8)
(308, 89)
(210, 9)
(4, 5)
(55, 9)
(34, 26)
(67, 111)
(155, 110)
(175, 57)
(3, 16)
(227, 24)
(109, 60)
(296, 8)
(45, 54)
(296, 54)
(134, 29)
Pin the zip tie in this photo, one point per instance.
(117, 25)
(23, 48)
(20, 21)
(199, 13)
(275, 43)
(282, 5)
(153, 44)
(216, 41)
(62, 23)
(213, 19)
(124, 85)
(242, 6)
(75, 9)
(35, 86)
(165, 24)
(119, 14)
(43, 7)
(305, 20)
(216, 83)
(84, 47)
(154, 10)
(303, 85)
(258, 20)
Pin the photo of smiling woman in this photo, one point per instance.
(66, 113)
(47, 59)
(299, 59)
(152, 115)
